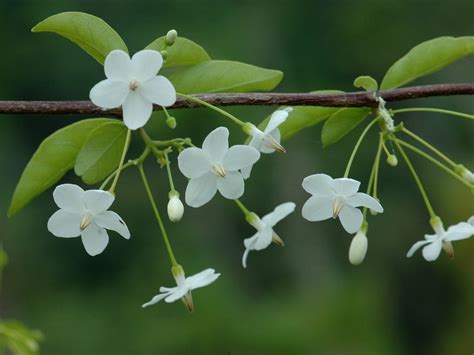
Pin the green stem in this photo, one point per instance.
(434, 161)
(157, 215)
(356, 147)
(437, 110)
(212, 107)
(417, 179)
(429, 146)
(244, 209)
(122, 159)
(374, 171)
(168, 171)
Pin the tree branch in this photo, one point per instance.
(353, 99)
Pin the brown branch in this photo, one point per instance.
(353, 99)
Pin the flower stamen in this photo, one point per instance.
(86, 221)
(337, 206)
(218, 170)
(134, 84)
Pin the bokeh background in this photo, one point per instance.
(303, 299)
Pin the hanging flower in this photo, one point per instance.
(85, 213)
(184, 287)
(268, 141)
(134, 85)
(336, 198)
(215, 167)
(265, 233)
(433, 244)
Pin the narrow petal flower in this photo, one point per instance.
(336, 198)
(85, 213)
(134, 85)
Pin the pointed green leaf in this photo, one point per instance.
(224, 76)
(182, 52)
(426, 58)
(90, 33)
(342, 122)
(54, 157)
(100, 155)
(366, 82)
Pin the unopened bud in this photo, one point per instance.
(465, 173)
(171, 37)
(358, 248)
(392, 160)
(171, 122)
(175, 207)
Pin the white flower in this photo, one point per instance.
(215, 167)
(184, 287)
(358, 248)
(442, 239)
(134, 85)
(265, 233)
(336, 198)
(85, 213)
(268, 141)
(175, 207)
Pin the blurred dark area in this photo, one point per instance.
(304, 298)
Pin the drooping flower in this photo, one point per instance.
(336, 198)
(134, 85)
(85, 213)
(268, 141)
(184, 287)
(175, 207)
(215, 167)
(265, 233)
(358, 248)
(433, 244)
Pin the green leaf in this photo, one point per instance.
(90, 33)
(182, 52)
(342, 122)
(224, 76)
(54, 157)
(366, 82)
(100, 155)
(16, 339)
(3, 258)
(427, 58)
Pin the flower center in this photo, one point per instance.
(218, 169)
(86, 221)
(337, 206)
(271, 142)
(448, 248)
(134, 84)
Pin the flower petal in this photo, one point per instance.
(471, 220)
(277, 118)
(278, 213)
(231, 186)
(432, 250)
(459, 231)
(246, 171)
(111, 220)
(416, 246)
(244, 257)
(317, 208)
(361, 199)
(146, 64)
(351, 218)
(216, 144)
(65, 224)
(239, 156)
(346, 187)
(201, 190)
(95, 239)
(136, 110)
(97, 201)
(156, 299)
(158, 90)
(202, 279)
(260, 240)
(109, 94)
(193, 162)
(118, 66)
(319, 184)
(268, 146)
(176, 295)
(69, 198)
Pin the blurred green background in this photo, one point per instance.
(303, 299)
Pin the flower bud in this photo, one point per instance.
(175, 207)
(358, 248)
(171, 37)
(392, 160)
(171, 122)
(465, 173)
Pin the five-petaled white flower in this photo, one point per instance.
(85, 213)
(336, 198)
(184, 287)
(134, 85)
(268, 141)
(265, 233)
(442, 239)
(215, 167)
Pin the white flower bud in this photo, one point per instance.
(171, 37)
(392, 160)
(175, 207)
(467, 175)
(358, 248)
(171, 122)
